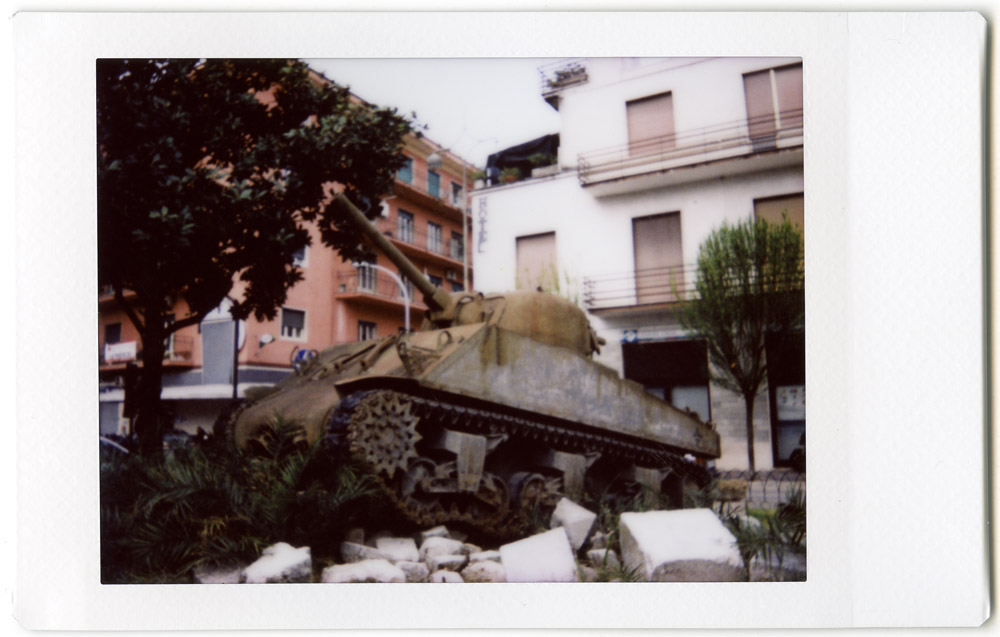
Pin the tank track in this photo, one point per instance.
(390, 452)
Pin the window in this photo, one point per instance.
(404, 226)
(433, 183)
(435, 280)
(650, 124)
(367, 330)
(536, 262)
(456, 194)
(774, 103)
(406, 172)
(674, 371)
(112, 333)
(293, 324)
(457, 287)
(772, 209)
(434, 237)
(408, 284)
(366, 277)
(658, 257)
(457, 246)
(301, 257)
(786, 385)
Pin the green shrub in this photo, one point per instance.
(213, 504)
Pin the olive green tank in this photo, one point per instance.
(493, 407)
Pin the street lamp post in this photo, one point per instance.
(399, 281)
(434, 162)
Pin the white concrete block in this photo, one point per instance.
(280, 562)
(439, 546)
(398, 549)
(547, 557)
(380, 571)
(351, 552)
(446, 577)
(415, 571)
(689, 545)
(577, 521)
(446, 562)
(484, 571)
(469, 549)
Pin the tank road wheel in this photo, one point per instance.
(383, 430)
(528, 490)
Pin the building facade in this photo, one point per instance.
(335, 302)
(654, 154)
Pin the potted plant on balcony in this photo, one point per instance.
(510, 175)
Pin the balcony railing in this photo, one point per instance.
(653, 286)
(723, 141)
(381, 286)
(178, 349)
(641, 287)
(421, 238)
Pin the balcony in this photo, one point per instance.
(418, 242)
(417, 190)
(653, 288)
(662, 288)
(179, 352)
(725, 149)
(561, 75)
(367, 287)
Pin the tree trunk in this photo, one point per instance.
(748, 398)
(149, 421)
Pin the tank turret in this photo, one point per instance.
(494, 407)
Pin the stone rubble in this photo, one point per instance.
(679, 545)
(280, 562)
(380, 571)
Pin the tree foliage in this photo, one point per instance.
(749, 284)
(208, 171)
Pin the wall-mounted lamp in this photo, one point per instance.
(265, 339)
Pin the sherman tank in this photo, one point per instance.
(492, 409)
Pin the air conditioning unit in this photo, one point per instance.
(451, 275)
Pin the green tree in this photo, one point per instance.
(207, 172)
(749, 284)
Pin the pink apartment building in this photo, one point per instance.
(336, 302)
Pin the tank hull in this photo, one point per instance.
(475, 423)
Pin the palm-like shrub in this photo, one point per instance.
(218, 505)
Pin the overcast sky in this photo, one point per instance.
(462, 101)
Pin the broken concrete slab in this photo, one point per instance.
(446, 562)
(437, 531)
(380, 571)
(439, 546)
(415, 571)
(351, 552)
(218, 574)
(605, 558)
(446, 577)
(689, 545)
(546, 557)
(280, 562)
(484, 571)
(469, 549)
(577, 521)
(482, 556)
(398, 549)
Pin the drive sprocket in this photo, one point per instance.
(383, 431)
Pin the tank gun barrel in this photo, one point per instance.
(436, 299)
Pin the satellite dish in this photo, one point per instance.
(266, 339)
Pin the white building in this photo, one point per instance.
(653, 155)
